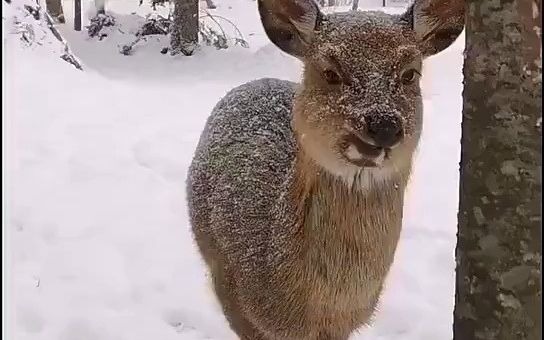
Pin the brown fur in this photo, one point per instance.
(342, 287)
(323, 283)
(326, 300)
(298, 236)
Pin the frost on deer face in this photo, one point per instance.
(359, 106)
(360, 103)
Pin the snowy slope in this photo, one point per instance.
(98, 237)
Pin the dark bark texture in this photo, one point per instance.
(184, 35)
(499, 250)
(77, 15)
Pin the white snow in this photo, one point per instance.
(98, 241)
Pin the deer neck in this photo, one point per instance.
(332, 234)
(334, 215)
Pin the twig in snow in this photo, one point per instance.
(67, 56)
(239, 40)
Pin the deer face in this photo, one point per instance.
(359, 105)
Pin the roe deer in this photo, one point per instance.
(296, 191)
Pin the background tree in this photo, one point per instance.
(100, 6)
(499, 250)
(54, 7)
(184, 36)
(355, 5)
(77, 15)
(210, 4)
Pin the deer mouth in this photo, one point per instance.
(362, 153)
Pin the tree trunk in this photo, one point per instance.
(184, 36)
(499, 250)
(355, 5)
(77, 15)
(210, 4)
(100, 6)
(54, 7)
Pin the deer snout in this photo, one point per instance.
(384, 130)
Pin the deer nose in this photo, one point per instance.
(385, 130)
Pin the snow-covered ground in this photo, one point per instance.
(98, 240)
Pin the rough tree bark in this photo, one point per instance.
(54, 7)
(184, 35)
(499, 250)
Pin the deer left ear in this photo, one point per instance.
(436, 23)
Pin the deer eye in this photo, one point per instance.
(409, 76)
(332, 77)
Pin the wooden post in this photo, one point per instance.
(77, 15)
(384, 3)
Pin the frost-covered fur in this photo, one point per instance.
(297, 228)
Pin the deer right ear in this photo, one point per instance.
(436, 23)
(290, 24)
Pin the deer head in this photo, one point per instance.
(359, 106)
